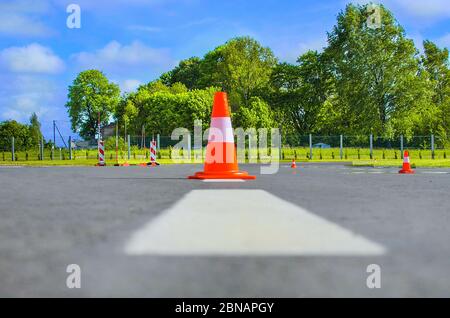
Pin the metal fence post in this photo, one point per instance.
(310, 147)
(158, 146)
(189, 147)
(42, 147)
(13, 157)
(401, 146)
(341, 147)
(70, 148)
(371, 146)
(432, 146)
(129, 148)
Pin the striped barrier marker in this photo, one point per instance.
(153, 153)
(101, 154)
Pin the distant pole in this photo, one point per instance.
(310, 147)
(143, 137)
(99, 132)
(189, 147)
(432, 146)
(13, 157)
(129, 148)
(70, 147)
(280, 146)
(54, 133)
(54, 140)
(60, 154)
(341, 147)
(371, 146)
(117, 142)
(401, 146)
(42, 147)
(125, 130)
(158, 142)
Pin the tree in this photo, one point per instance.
(300, 91)
(375, 73)
(91, 94)
(20, 132)
(242, 67)
(160, 108)
(435, 63)
(187, 72)
(35, 130)
(257, 114)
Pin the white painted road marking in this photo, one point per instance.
(435, 172)
(244, 223)
(223, 180)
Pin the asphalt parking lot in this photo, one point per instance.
(150, 232)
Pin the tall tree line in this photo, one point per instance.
(366, 80)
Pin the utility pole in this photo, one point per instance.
(54, 132)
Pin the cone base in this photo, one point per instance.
(406, 171)
(223, 175)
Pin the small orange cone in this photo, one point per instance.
(221, 158)
(406, 165)
(293, 165)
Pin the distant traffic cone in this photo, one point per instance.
(221, 159)
(293, 165)
(406, 165)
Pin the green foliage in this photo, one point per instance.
(241, 67)
(365, 81)
(35, 130)
(91, 94)
(20, 132)
(187, 72)
(110, 143)
(161, 109)
(257, 114)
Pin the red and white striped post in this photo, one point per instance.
(101, 153)
(100, 146)
(153, 153)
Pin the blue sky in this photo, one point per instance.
(134, 41)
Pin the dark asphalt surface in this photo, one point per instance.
(52, 217)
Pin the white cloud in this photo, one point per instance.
(25, 6)
(129, 85)
(33, 58)
(290, 50)
(119, 60)
(429, 9)
(21, 95)
(22, 25)
(23, 18)
(426, 9)
(144, 28)
(444, 41)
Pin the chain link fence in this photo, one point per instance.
(300, 147)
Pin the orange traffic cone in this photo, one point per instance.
(406, 165)
(293, 165)
(221, 159)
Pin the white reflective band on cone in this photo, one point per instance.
(221, 130)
